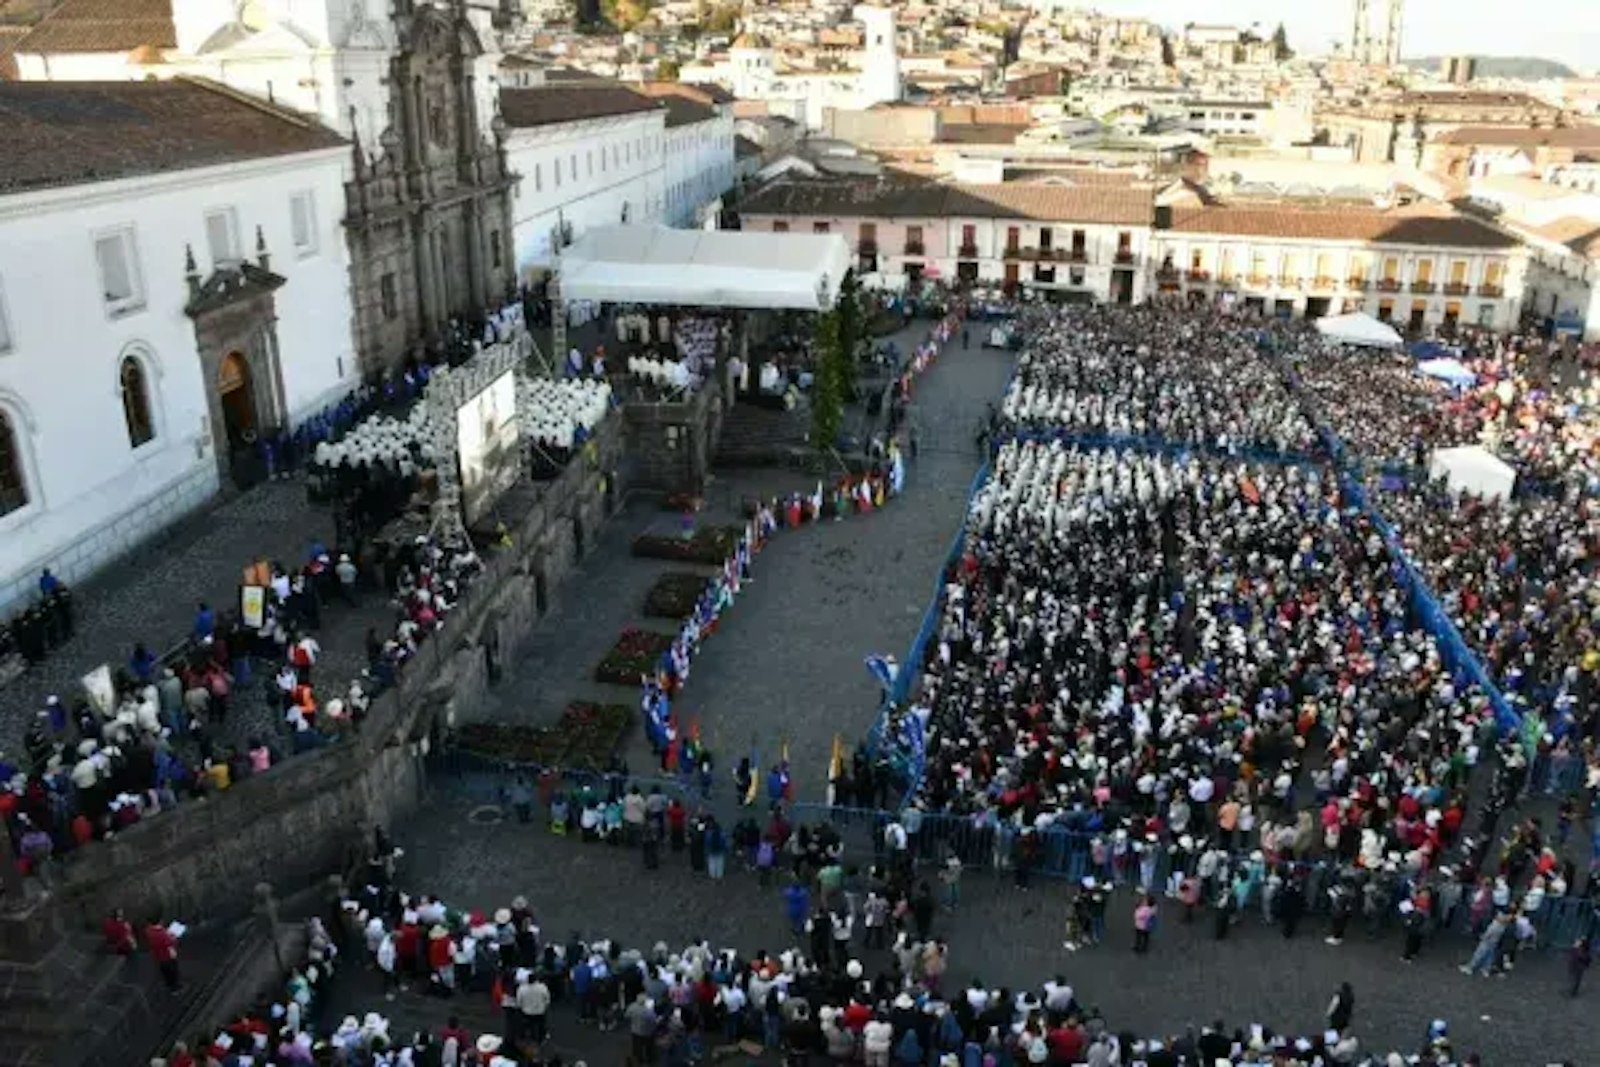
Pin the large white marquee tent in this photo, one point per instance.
(1473, 469)
(701, 268)
(1358, 328)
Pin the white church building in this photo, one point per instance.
(753, 69)
(173, 277)
(191, 253)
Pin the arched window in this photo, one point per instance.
(136, 402)
(13, 483)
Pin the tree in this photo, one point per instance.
(827, 389)
(1280, 44)
(852, 331)
(723, 19)
(1168, 56)
(667, 70)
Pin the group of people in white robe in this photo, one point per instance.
(1186, 377)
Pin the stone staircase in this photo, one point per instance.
(64, 1001)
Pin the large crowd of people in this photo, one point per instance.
(1156, 372)
(863, 983)
(158, 735)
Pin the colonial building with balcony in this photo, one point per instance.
(1418, 267)
(1072, 243)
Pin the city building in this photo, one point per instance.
(587, 153)
(753, 68)
(1560, 223)
(1484, 151)
(1396, 128)
(1376, 32)
(1418, 266)
(1458, 70)
(1078, 243)
(173, 280)
(699, 150)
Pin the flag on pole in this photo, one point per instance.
(751, 793)
(885, 670)
(788, 781)
(835, 769)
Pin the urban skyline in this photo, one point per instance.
(1567, 31)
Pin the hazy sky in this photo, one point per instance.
(1567, 30)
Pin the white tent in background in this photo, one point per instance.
(1358, 328)
(700, 268)
(1450, 371)
(1473, 469)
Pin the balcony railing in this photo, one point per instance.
(1357, 283)
(1457, 288)
(967, 251)
(1388, 285)
(1491, 290)
(1124, 255)
(1199, 276)
(867, 247)
(1168, 274)
(1013, 252)
(1421, 287)
(1288, 281)
(1076, 255)
(915, 248)
(1323, 282)
(1258, 280)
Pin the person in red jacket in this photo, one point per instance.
(118, 934)
(164, 949)
(441, 956)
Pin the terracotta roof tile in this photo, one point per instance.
(1524, 137)
(102, 26)
(1014, 200)
(1579, 234)
(64, 133)
(571, 102)
(9, 36)
(1291, 222)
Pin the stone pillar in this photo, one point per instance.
(477, 272)
(422, 264)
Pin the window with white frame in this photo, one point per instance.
(117, 254)
(222, 236)
(303, 222)
(5, 322)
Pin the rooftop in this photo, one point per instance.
(550, 104)
(66, 133)
(102, 26)
(1523, 137)
(910, 199)
(1405, 226)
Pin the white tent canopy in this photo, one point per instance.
(1473, 469)
(1451, 371)
(1358, 328)
(700, 268)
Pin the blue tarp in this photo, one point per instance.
(1430, 349)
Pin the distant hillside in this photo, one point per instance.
(1530, 67)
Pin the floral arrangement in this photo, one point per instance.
(635, 653)
(674, 595)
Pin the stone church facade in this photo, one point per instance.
(428, 209)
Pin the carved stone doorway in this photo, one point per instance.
(236, 336)
(235, 399)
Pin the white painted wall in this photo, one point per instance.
(92, 494)
(635, 179)
(699, 167)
